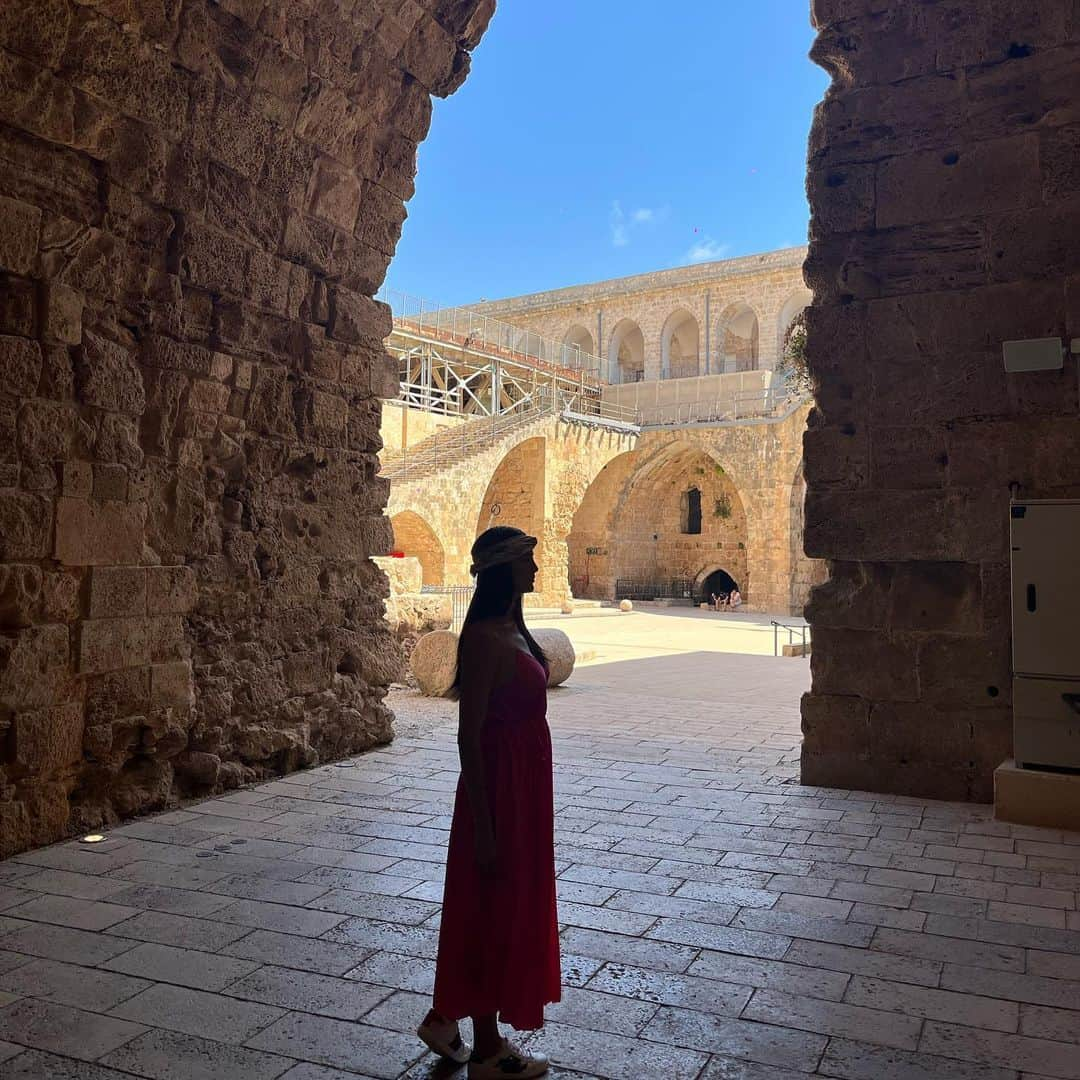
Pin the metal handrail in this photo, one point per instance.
(741, 405)
(790, 628)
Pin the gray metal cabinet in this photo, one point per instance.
(1046, 633)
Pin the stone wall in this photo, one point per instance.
(715, 296)
(944, 181)
(197, 202)
(578, 488)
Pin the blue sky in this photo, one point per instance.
(597, 138)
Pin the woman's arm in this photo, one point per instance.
(479, 660)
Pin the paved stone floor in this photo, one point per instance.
(721, 922)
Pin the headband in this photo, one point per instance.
(516, 547)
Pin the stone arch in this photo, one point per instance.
(626, 352)
(515, 494)
(792, 308)
(577, 344)
(680, 345)
(415, 537)
(738, 338)
(628, 525)
(710, 581)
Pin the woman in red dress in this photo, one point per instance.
(499, 937)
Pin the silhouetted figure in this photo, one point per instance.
(499, 937)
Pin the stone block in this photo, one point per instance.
(20, 592)
(334, 194)
(307, 672)
(20, 362)
(20, 224)
(113, 644)
(357, 319)
(864, 663)
(98, 534)
(559, 652)
(937, 596)
(965, 672)
(171, 590)
(163, 352)
(172, 686)
(110, 482)
(34, 666)
(434, 663)
(48, 739)
(985, 178)
(117, 592)
(25, 525)
(214, 260)
(77, 479)
(47, 431)
(62, 314)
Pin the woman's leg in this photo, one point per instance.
(486, 1037)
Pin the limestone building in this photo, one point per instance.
(688, 484)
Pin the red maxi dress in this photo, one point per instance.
(499, 935)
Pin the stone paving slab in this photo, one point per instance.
(719, 921)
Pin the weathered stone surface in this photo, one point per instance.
(179, 190)
(434, 662)
(560, 654)
(97, 533)
(964, 116)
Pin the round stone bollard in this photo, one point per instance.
(626, 605)
(434, 663)
(568, 607)
(560, 655)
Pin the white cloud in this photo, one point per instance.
(623, 225)
(620, 231)
(706, 250)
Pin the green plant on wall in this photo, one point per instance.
(793, 364)
(722, 507)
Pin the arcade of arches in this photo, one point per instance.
(199, 202)
(609, 508)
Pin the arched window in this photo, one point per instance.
(691, 512)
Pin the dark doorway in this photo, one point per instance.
(718, 583)
(691, 516)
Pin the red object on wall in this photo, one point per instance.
(397, 554)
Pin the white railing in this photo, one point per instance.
(741, 405)
(470, 330)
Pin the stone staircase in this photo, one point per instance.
(451, 446)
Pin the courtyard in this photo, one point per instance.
(720, 921)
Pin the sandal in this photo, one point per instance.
(445, 1040)
(507, 1062)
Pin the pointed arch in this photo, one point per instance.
(413, 536)
(738, 338)
(680, 346)
(626, 352)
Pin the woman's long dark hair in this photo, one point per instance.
(494, 597)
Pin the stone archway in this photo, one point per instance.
(633, 524)
(737, 338)
(680, 346)
(626, 352)
(515, 496)
(413, 536)
(578, 347)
